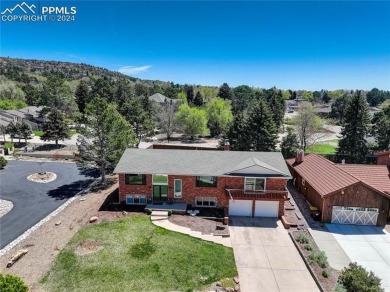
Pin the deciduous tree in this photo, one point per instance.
(219, 114)
(166, 117)
(308, 126)
(193, 120)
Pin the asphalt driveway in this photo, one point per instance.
(34, 201)
(266, 257)
(369, 246)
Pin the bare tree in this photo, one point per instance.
(308, 126)
(166, 117)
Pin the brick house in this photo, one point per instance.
(244, 183)
(344, 193)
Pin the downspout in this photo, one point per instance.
(230, 195)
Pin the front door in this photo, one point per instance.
(160, 193)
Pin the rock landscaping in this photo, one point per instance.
(42, 177)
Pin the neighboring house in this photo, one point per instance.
(344, 193)
(30, 114)
(296, 103)
(246, 183)
(159, 98)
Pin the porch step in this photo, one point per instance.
(159, 215)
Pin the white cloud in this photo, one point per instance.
(132, 70)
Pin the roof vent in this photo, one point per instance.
(299, 157)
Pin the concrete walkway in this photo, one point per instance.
(337, 257)
(266, 258)
(160, 218)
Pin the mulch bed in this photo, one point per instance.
(205, 226)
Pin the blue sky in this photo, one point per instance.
(298, 45)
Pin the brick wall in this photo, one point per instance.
(190, 191)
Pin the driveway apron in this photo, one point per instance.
(266, 257)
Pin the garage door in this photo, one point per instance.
(354, 215)
(240, 208)
(266, 209)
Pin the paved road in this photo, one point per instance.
(266, 257)
(34, 201)
(369, 246)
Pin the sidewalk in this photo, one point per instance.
(160, 218)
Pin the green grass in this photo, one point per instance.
(138, 256)
(38, 133)
(321, 149)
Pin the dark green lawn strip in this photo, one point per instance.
(138, 256)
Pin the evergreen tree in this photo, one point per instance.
(275, 100)
(339, 108)
(289, 145)
(261, 130)
(25, 130)
(3, 131)
(102, 88)
(325, 97)
(353, 143)
(225, 92)
(82, 96)
(236, 134)
(12, 130)
(198, 100)
(104, 136)
(189, 91)
(55, 127)
(381, 128)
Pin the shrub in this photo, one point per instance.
(318, 258)
(169, 212)
(356, 278)
(308, 247)
(302, 239)
(8, 145)
(325, 274)
(11, 283)
(148, 211)
(3, 162)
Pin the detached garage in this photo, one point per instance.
(261, 208)
(343, 193)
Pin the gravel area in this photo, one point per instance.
(5, 207)
(205, 226)
(45, 242)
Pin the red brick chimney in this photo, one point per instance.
(299, 157)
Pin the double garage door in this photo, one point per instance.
(262, 208)
(355, 215)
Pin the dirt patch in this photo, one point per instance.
(88, 246)
(205, 226)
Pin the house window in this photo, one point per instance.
(160, 179)
(206, 201)
(135, 179)
(135, 200)
(254, 184)
(178, 188)
(206, 181)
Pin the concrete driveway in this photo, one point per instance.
(369, 246)
(34, 201)
(266, 257)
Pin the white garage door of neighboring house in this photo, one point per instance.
(240, 208)
(355, 215)
(267, 209)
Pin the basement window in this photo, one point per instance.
(206, 201)
(135, 200)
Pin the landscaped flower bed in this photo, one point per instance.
(316, 260)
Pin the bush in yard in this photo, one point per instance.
(357, 278)
(308, 247)
(325, 274)
(11, 283)
(302, 239)
(319, 258)
(3, 162)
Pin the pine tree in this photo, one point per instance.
(55, 127)
(289, 145)
(260, 127)
(353, 143)
(325, 97)
(82, 95)
(104, 136)
(381, 128)
(25, 130)
(225, 92)
(236, 134)
(198, 100)
(276, 104)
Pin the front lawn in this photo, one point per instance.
(321, 149)
(132, 254)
